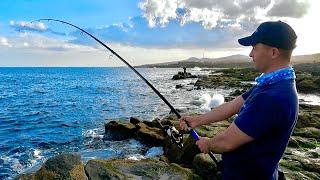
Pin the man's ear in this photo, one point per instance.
(275, 53)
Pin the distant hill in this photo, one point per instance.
(228, 62)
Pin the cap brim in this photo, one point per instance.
(248, 41)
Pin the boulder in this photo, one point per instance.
(117, 131)
(150, 135)
(63, 166)
(205, 167)
(179, 86)
(183, 155)
(309, 116)
(134, 120)
(143, 169)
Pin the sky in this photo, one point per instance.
(144, 31)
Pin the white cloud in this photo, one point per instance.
(207, 18)
(4, 42)
(22, 25)
(216, 13)
(159, 11)
(289, 8)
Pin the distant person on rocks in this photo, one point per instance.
(254, 143)
(185, 71)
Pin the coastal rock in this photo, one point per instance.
(183, 155)
(179, 86)
(117, 131)
(182, 75)
(134, 120)
(205, 167)
(298, 167)
(143, 169)
(300, 142)
(309, 116)
(63, 166)
(308, 132)
(307, 83)
(150, 135)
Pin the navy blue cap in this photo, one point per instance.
(273, 33)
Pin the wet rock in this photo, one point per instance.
(64, 166)
(179, 86)
(118, 131)
(205, 167)
(237, 92)
(182, 75)
(98, 169)
(144, 169)
(134, 120)
(150, 135)
(183, 155)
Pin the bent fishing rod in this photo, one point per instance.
(173, 133)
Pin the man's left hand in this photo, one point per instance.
(204, 144)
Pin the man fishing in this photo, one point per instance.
(255, 141)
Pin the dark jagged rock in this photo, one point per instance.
(182, 75)
(179, 86)
(134, 120)
(183, 155)
(118, 131)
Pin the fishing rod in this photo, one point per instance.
(176, 136)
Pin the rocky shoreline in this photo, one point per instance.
(300, 161)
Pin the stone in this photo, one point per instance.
(205, 167)
(134, 120)
(299, 142)
(117, 131)
(63, 166)
(143, 169)
(150, 135)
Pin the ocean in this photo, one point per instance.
(47, 111)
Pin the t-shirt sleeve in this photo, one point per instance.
(247, 94)
(259, 116)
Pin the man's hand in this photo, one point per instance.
(204, 144)
(192, 122)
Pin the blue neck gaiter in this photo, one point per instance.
(275, 76)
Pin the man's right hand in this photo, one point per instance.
(192, 121)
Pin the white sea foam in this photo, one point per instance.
(310, 98)
(154, 151)
(207, 102)
(93, 133)
(135, 157)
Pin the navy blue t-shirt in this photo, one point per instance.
(269, 115)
